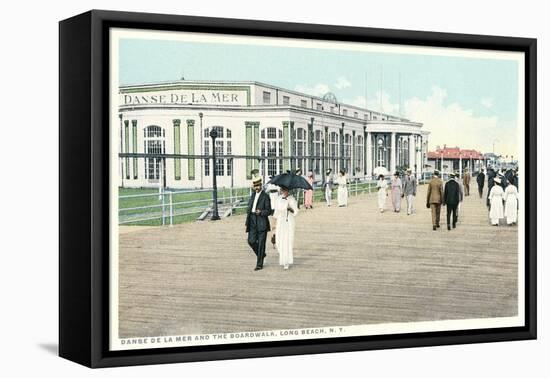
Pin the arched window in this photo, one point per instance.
(347, 152)
(300, 141)
(333, 150)
(382, 150)
(400, 151)
(154, 143)
(406, 152)
(224, 167)
(271, 146)
(403, 151)
(359, 154)
(317, 151)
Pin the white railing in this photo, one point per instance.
(167, 207)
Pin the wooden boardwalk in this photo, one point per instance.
(353, 266)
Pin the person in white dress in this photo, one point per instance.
(286, 209)
(496, 211)
(511, 207)
(342, 182)
(328, 186)
(382, 187)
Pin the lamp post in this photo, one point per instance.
(214, 135)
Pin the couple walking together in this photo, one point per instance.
(284, 209)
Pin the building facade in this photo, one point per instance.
(165, 135)
(454, 159)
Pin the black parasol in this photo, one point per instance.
(291, 181)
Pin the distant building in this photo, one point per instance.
(259, 126)
(453, 159)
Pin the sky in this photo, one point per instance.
(471, 103)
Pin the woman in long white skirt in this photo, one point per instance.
(342, 182)
(382, 187)
(396, 191)
(511, 207)
(286, 210)
(328, 186)
(495, 197)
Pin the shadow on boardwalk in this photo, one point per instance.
(353, 266)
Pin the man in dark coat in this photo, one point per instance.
(503, 179)
(466, 182)
(480, 183)
(451, 199)
(435, 198)
(257, 222)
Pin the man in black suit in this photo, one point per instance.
(257, 222)
(480, 183)
(451, 198)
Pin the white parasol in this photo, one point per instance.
(380, 171)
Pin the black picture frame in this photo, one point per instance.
(84, 193)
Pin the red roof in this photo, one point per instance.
(454, 153)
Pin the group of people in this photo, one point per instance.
(282, 204)
(502, 196)
(449, 194)
(399, 189)
(342, 192)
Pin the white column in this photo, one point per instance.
(412, 151)
(392, 154)
(368, 162)
(460, 166)
(421, 154)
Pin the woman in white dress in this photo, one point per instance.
(495, 197)
(382, 187)
(396, 192)
(511, 207)
(328, 186)
(342, 182)
(286, 209)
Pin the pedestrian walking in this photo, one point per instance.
(308, 194)
(409, 190)
(511, 204)
(328, 186)
(257, 222)
(382, 187)
(435, 198)
(286, 210)
(396, 186)
(342, 182)
(466, 182)
(496, 212)
(480, 183)
(451, 199)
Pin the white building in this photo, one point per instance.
(259, 126)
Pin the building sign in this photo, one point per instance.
(186, 97)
